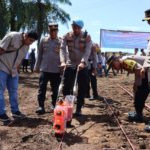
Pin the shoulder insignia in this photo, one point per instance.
(46, 39)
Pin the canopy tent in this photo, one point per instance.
(123, 39)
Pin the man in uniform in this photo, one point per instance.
(13, 48)
(92, 66)
(134, 64)
(147, 18)
(48, 62)
(74, 54)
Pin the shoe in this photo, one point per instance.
(4, 118)
(52, 107)
(40, 111)
(147, 129)
(133, 116)
(91, 98)
(94, 97)
(18, 115)
(98, 97)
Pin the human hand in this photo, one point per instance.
(81, 66)
(142, 72)
(94, 72)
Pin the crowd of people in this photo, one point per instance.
(73, 54)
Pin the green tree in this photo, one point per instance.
(19, 15)
(41, 12)
(4, 19)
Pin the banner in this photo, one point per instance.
(123, 39)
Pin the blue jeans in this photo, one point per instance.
(100, 71)
(11, 83)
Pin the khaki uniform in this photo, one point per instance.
(139, 60)
(141, 88)
(92, 65)
(74, 50)
(48, 59)
(48, 62)
(92, 60)
(12, 41)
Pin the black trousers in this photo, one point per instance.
(141, 95)
(82, 80)
(54, 79)
(93, 81)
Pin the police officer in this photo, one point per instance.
(48, 62)
(74, 53)
(13, 48)
(92, 65)
(134, 64)
(147, 18)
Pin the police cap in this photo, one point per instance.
(53, 26)
(147, 15)
(78, 23)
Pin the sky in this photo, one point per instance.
(107, 14)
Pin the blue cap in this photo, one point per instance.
(78, 23)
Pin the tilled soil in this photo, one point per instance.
(99, 128)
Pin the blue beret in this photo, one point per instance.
(78, 23)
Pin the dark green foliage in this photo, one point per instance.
(16, 15)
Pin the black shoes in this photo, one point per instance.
(147, 129)
(18, 115)
(40, 111)
(95, 97)
(133, 116)
(5, 119)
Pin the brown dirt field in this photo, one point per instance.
(97, 129)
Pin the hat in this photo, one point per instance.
(53, 26)
(147, 15)
(79, 23)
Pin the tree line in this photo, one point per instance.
(20, 15)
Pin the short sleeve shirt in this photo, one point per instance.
(12, 42)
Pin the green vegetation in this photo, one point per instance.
(18, 15)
